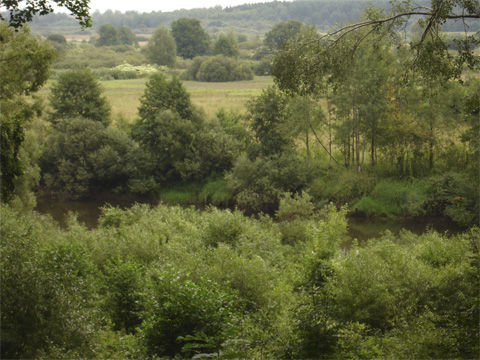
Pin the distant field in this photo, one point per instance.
(124, 95)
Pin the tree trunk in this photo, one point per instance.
(431, 143)
(329, 127)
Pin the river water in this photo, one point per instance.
(88, 212)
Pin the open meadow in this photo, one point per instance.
(124, 95)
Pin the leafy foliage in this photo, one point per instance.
(109, 36)
(281, 32)
(82, 155)
(222, 69)
(226, 45)
(161, 48)
(77, 93)
(179, 282)
(20, 15)
(267, 118)
(25, 67)
(163, 94)
(190, 37)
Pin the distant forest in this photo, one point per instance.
(249, 19)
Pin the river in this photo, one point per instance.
(362, 229)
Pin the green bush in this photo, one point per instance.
(86, 55)
(48, 289)
(258, 184)
(455, 195)
(217, 69)
(343, 187)
(223, 227)
(82, 155)
(263, 68)
(215, 192)
(178, 307)
(394, 198)
(114, 74)
(420, 294)
(124, 286)
(293, 214)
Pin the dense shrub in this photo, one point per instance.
(86, 55)
(455, 195)
(258, 184)
(124, 286)
(342, 187)
(115, 74)
(263, 68)
(293, 214)
(178, 307)
(217, 69)
(394, 198)
(47, 290)
(82, 155)
(177, 282)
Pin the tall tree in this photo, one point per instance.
(126, 36)
(430, 53)
(161, 48)
(107, 35)
(267, 117)
(281, 32)
(78, 93)
(24, 68)
(226, 45)
(110, 35)
(192, 40)
(163, 94)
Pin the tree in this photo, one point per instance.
(222, 69)
(57, 38)
(361, 102)
(192, 40)
(165, 128)
(24, 67)
(107, 35)
(20, 14)
(305, 116)
(110, 35)
(281, 32)
(163, 94)
(78, 93)
(267, 117)
(226, 45)
(430, 52)
(81, 155)
(126, 36)
(175, 136)
(161, 48)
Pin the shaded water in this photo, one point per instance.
(88, 212)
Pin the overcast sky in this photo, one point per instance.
(162, 5)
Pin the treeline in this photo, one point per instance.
(380, 164)
(250, 19)
(384, 146)
(171, 283)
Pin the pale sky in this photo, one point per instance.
(162, 5)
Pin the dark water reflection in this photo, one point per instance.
(365, 228)
(88, 212)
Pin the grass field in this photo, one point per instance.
(124, 95)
